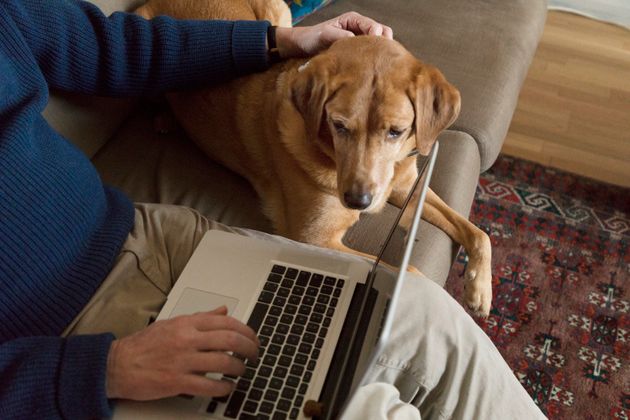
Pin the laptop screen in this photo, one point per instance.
(391, 262)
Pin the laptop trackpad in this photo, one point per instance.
(193, 300)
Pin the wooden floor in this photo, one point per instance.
(574, 109)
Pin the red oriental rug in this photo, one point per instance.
(561, 270)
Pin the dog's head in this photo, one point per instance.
(366, 104)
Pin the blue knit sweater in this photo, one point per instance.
(60, 228)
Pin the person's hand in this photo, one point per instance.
(170, 357)
(303, 41)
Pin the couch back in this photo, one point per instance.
(88, 121)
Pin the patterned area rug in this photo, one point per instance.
(561, 270)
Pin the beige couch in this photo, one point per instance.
(484, 47)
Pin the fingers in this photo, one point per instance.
(214, 361)
(362, 25)
(226, 340)
(202, 386)
(208, 321)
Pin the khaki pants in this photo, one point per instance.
(439, 359)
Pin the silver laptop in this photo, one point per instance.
(322, 318)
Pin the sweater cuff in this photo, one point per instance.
(249, 46)
(82, 375)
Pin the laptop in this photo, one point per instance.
(322, 318)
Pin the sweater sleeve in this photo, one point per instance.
(52, 377)
(79, 49)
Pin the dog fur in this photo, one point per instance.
(320, 138)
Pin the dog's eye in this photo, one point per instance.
(340, 128)
(393, 133)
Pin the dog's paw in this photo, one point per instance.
(478, 284)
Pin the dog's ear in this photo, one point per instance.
(310, 90)
(437, 104)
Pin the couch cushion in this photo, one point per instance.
(482, 47)
(169, 168)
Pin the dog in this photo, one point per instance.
(323, 139)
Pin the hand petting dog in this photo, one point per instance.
(304, 41)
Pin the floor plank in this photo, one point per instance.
(573, 112)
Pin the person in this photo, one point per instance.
(83, 270)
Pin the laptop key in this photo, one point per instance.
(290, 309)
(289, 350)
(212, 406)
(337, 292)
(255, 395)
(309, 338)
(279, 415)
(266, 407)
(323, 332)
(271, 320)
(302, 279)
(312, 327)
(327, 290)
(265, 297)
(275, 383)
(275, 311)
(288, 393)
(312, 291)
(308, 300)
(260, 383)
(319, 308)
(284, 405)
(319, 343)
(316, 280)
(330, 281)
(282, 329)
(266, 330)
(301, 359)
(280, 372)
(278, 269)
(279, 301)
(297, 370)
(294, 300)
(270, 287)
(250, 406)
(284, 361)
(257, 316)
(294, 413)
(265, 371)
(291, 273)
(272, 395)
(298, 290)
(274, 278)
(311, 365)
(287, 283)
(274, 349)
(303, 389)
(326, 322)
(234, 406)
(243, 385)
(284, 292)
(293, 339)
(293, 381)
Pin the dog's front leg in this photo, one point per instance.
(478, 275)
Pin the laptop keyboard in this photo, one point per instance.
(291, 318)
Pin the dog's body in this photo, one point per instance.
(323, 139)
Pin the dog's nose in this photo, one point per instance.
(358, 201)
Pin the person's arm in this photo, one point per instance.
(79, 49)
(53, 377)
